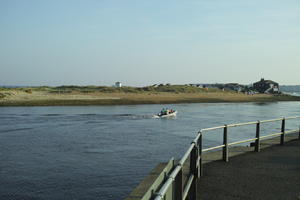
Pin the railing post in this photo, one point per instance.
(178, 186)
(200, 153)
(299, 132)
(257, 141)
(194, 171)
(282, 132)
(225, 142)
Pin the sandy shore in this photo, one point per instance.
(42, 98)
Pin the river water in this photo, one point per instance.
(103, 152)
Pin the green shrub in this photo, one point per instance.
(29, 91)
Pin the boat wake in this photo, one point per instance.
(133, 116)
(119, 116)
(155, 117)
(91, 117)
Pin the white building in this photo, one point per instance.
(118, 84)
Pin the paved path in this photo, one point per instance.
(274, 173)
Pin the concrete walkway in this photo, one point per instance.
(274, 173)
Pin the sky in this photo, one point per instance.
(141, 42)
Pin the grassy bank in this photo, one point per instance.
(95, 95)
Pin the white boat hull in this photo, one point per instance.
(169, 115)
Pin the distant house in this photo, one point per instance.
(234, 86)
(118, 84)
(196, 85)
(266, 86)
(216, 86)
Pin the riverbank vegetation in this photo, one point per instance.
(102, 95)
(106, 89)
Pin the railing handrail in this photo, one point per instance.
(197, 142)
(248, 123)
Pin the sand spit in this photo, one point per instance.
(45, 98)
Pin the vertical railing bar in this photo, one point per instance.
(197, 156)
(200, 153)
(225, 142)
(178, 186)
(193, 170)
(173, 184)
(282, 131)
(257, 142)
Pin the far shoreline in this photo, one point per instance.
(107, 96)
(130, 99)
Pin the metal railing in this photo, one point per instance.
(174, 188)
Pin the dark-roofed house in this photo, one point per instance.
(234, 86)
(266, 86)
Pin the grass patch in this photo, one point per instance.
(2, 96)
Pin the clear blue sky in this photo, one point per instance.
(139, 42)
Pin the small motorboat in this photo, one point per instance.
(167, 113)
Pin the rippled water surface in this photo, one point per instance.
(103, 152)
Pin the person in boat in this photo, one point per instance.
(163, 111)
(166, 111)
